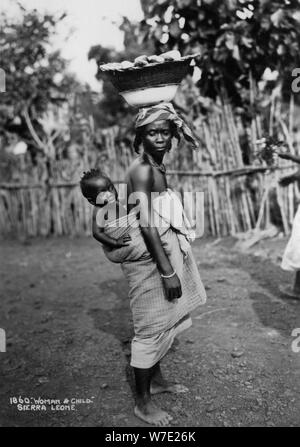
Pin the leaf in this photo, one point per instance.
(230, 40)
(158, 32)
(296, 16)
(174, 29)
(236, 53)
(281, 50)
(193, 24)
(247, 42)
(277, 17)
(183, 3)
(265, 24)
(220, 40)
(232, 4)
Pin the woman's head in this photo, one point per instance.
(155, 115)
(156, 136)
(97, 188)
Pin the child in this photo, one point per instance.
(291, 257)
(100, 191)
(116, 230)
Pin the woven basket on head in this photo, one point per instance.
(152, 75)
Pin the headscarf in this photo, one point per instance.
(165, 111)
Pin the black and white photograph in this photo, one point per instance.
(150, 216)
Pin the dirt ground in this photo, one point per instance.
(65, 311)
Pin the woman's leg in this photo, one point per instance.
(160, 385)
(145, 409)
(142, 382)
(297, 283)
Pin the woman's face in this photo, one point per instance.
(157, 136)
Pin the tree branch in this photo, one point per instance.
(32, 131)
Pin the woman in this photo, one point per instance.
(160, 300)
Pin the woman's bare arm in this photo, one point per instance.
(141, 183)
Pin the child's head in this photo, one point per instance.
(97, 188)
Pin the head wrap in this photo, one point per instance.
(165, 111)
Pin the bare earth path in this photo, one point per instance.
(66, 315)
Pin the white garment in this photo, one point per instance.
(291, 257)
(146, 352)
(168, 212)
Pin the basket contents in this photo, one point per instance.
(142, 61)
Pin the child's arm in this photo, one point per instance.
(100, 236)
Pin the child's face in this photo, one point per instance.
(105, 192)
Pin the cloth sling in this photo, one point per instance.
(156, 320)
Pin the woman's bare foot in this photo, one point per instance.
(149, 413)
(163, 386)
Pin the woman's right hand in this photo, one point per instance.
(172, 287)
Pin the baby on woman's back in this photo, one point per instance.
(120, 232)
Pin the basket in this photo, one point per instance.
(152, 75)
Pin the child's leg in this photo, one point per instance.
(297, 283)
(144, 408)
(161, 385)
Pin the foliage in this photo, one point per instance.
(35, 76)
(233, 37)
(268, 149)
